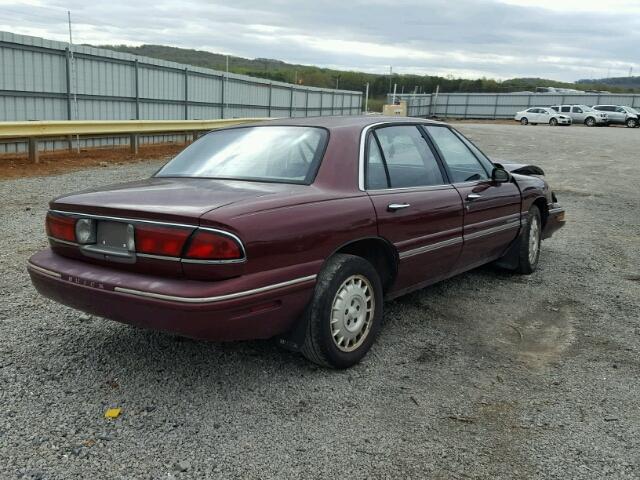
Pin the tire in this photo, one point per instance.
(631, 123)
(530, 243)
(351, 283)
(524, 121)
(553, 122)
(590, 122)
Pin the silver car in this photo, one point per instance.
(583, 114)
(620, 114)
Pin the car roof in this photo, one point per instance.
(357, 121)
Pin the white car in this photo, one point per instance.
(535, 115)
(583, 114)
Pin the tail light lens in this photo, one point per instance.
(61, 227)
(159, 240)
(209, 245)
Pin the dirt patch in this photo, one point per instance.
(54, 163)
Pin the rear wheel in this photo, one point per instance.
(345, 314)
(553, 122)
(632, 122)
(590, 122)
(524, 121)
(530, 243)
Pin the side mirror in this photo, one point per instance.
(500, 175)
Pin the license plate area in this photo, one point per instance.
(115, 241)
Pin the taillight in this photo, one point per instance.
(210, 245)
(61, 227)
(159, 240)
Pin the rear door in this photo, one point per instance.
(418, 211)
(491, 210)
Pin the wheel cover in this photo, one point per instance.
(534, 240)
(352, 313)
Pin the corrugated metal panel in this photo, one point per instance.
(41, 80)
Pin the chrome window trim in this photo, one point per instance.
(444, 186)
(217, 298)
(363, 141)
(159, 222)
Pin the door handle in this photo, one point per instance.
(392, 207)
(473, 196)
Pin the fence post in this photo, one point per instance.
(446, 106)
(137, 87)
(291, 102)
(466, 105)
(186, 95)
(342, 105)
(333, 102)
(222, 86)
(495, 108)
(69, 116)
(321, 99)
(68, 78)
(270, 96)
(306, 103)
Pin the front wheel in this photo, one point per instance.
(524, 121)
(345, 313)
(632, 122)
(530, 244)
(590, 122)
(553, 122)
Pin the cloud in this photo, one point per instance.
(566, 39)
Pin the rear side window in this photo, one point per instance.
(406, 156)
(462, 163)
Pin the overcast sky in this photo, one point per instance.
(559, 39)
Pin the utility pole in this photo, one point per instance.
(74, 76)
(390, 76)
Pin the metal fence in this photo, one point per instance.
(46, 80)
(500, 105)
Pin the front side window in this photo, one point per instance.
(407, 156)
(462, 164)
(577, 110)
(283, 154)
(565, 109)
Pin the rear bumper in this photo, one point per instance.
(235, 309)
(555, 221)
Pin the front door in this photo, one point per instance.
(417, 210)
(491, 209)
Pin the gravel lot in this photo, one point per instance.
(487, 375)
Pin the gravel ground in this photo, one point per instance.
(487, 375)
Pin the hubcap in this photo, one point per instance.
(352, 313)
(534, 240)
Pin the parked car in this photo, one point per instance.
(295, 229)
(583, 114)
(537, 115)
(620, 115)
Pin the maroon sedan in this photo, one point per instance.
(295, 229)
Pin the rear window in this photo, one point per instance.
(286, 154)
